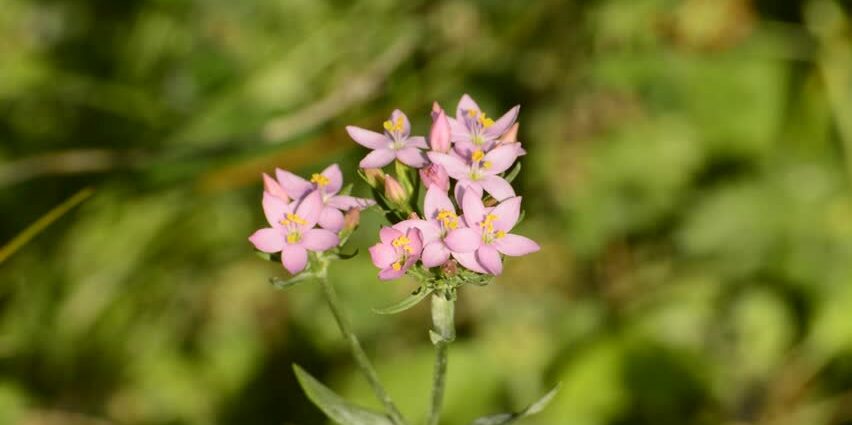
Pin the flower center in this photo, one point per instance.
(320, 180)
(403, 243)
(449, 220)
(488, 232)
(294, 237)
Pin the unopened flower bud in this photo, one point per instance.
(450, 268)
(439, 135)
(351, 219)
(394, 191)
(375, 176)
(435, 174)
(436, 109)
(272, 187)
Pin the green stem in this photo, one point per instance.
(357, 351)
(443, 333)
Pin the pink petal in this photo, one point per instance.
(428, 230)
(273, 188)
(455, 167)
(439, 134)
(309, 209)
(417, 142)
(463, 240)
(474, 209)
(515, 245)
(331, 218)
(459, 132)
(489, 259)
(466, 185)
(335, 179)
(294, 185)
(502, 124)
(294, 258)
(274, 209)
(497, 187)
(501, 158)
(346, 202)
(507, 213)
(319, 239)
(388, 234)
(267, 240)
(367, 138)
(415, 236)
(466, 103)
(412, 157)
(468, 260)
(383, 255)
(406, 125)
(435, 201)
(378, 158)
(391, 274)
(435, 254)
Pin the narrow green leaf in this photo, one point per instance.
(334, 406)
(514, 172)
(508, 418)
(269, 257)
(405, 304)
(346, 190)
(280, 283)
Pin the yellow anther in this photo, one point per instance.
(486, 165)
(293, 218)
(320, 179)
(448, 218)
(401, 241)
(500, 234)
(488, 223)
(397, 266)
(471, 113)
(388, 125)
(293, 237)
(477, 155)
(484, 120)
(400, 123)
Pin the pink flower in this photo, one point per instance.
(396, 142)
(292, 232)
(481, 170)
(397, 251)
(444, 233)
(327, 183)
(272, 187)
(435, 175)
(472, 129)
(493, 226)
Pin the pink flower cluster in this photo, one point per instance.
(294, 207)
(470, 152)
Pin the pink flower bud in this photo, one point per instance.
(351, 219)
(375, 176)
(435, 174)
(394, 191)
(272, 187)
(510, 136)
(439, 136)
(436, 109)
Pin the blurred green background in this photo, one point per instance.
(688, 177)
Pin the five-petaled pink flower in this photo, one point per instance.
(493, 226)
(394, 143)
(472, 129)
(480, 170)
(444, 233)
(328, 184)
(399, 248)
(292, 230)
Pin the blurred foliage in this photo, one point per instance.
(688, 176)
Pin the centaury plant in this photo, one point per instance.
(451, 210)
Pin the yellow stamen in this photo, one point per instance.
(449, 219)
(500, 234)
(477, 155)
(396, 125)
(486, 165)
(397, 266)
(320, 179)
(471, 113)
(484, 120)
(488, 223)
(293, 237)
(292, 218)
(388, 125)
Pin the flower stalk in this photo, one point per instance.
(355, 345)
(443, 333)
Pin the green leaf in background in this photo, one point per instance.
(406, 303)
(508, 418)
(280, 283)
(335, 407)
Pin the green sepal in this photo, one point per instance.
(346, 190)
(342, 256)
(276, 257)
(280, 283)
(406, 303)
(334, 406)
(508, 418)
(513, 172)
